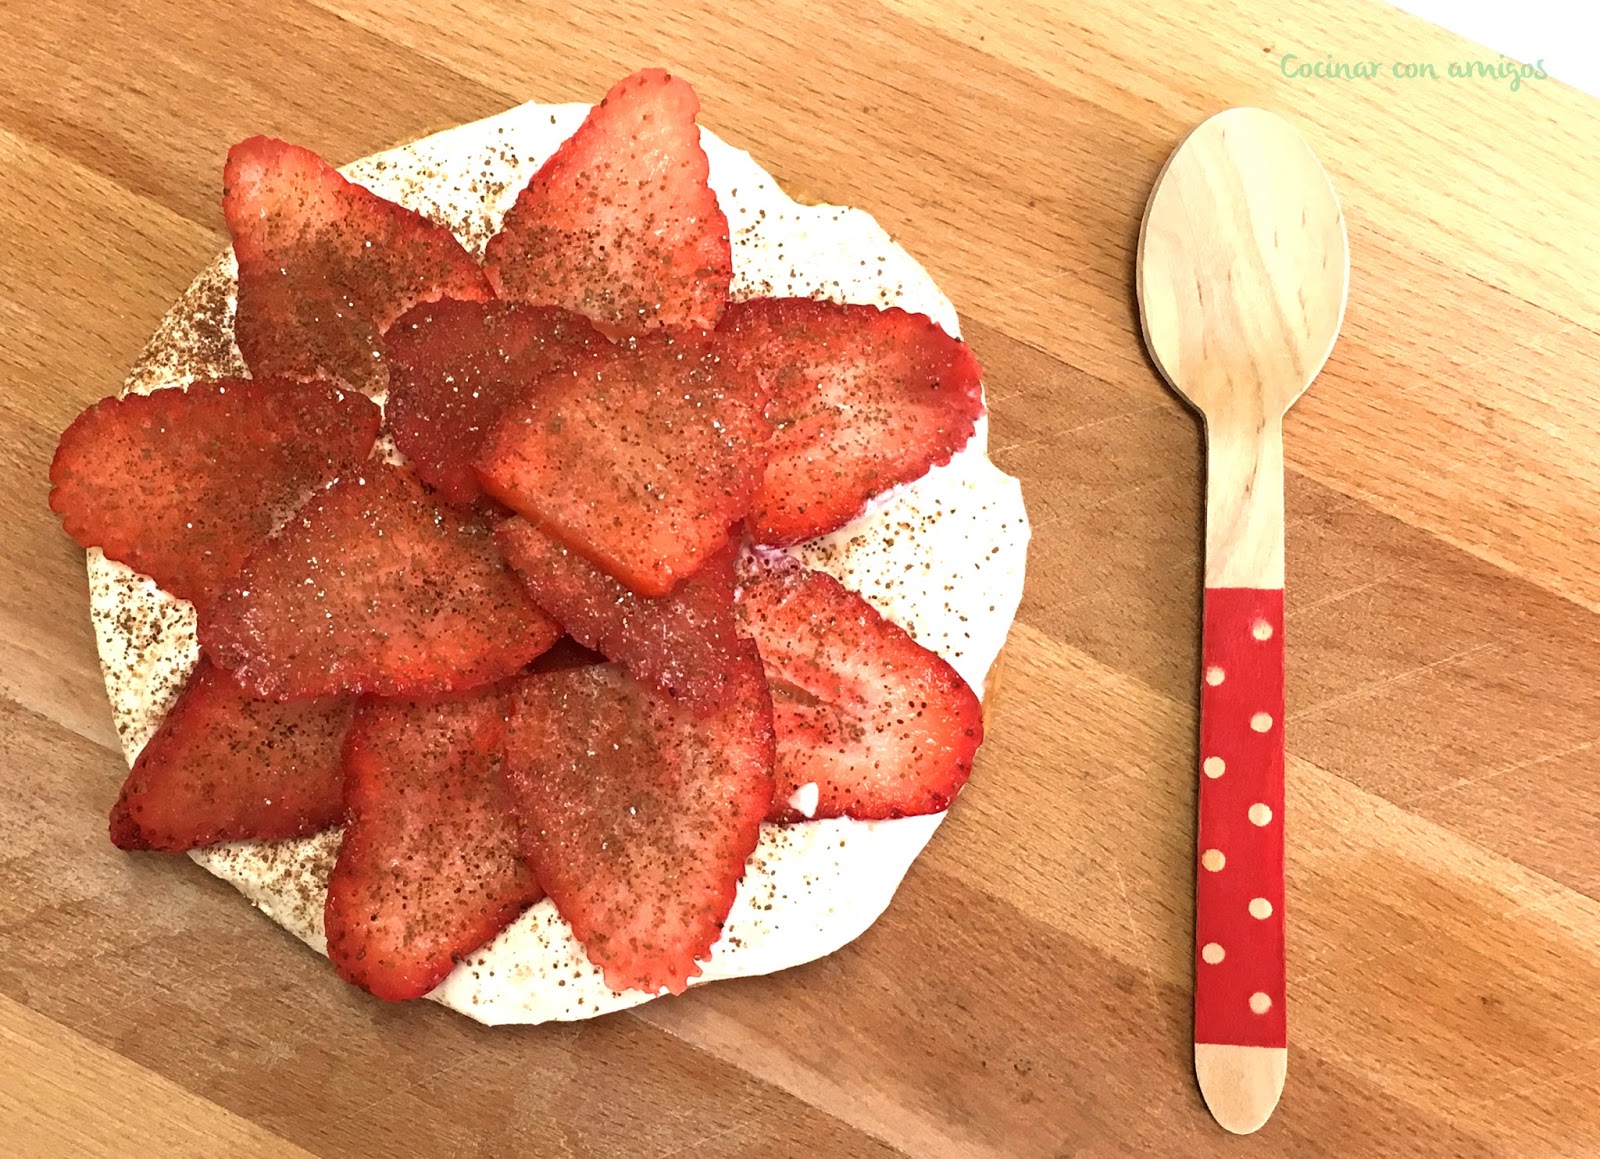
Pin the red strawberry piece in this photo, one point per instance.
(374, 587)
(682, 643)
(639, 456)
(225, 767)
(325, 265)
(429, 870)
(882, 726)
(453, 367)
(182, 484)
(638, 816)
(619, 223)
(860, 399)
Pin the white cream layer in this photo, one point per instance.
(943, 557)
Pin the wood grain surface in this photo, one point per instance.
(1028, 992)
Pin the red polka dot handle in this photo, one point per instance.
(1239, 955)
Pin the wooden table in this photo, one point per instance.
(1027, 994)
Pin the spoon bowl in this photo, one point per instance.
(1244, 265)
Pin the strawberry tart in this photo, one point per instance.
(543, 566)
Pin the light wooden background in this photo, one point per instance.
(1027, 994)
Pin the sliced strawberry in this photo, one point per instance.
(429, 870)
(639, 456)
(619, 223)
(224, 767)
(453, 367)
(182, 484)
(682, 643)
(374, 587)
(638, 816)
(882, 726)
(860, 399)
(325, 265)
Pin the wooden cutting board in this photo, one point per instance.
(1027, 994)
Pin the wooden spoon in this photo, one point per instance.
(1243, 272)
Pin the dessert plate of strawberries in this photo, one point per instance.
(542, 565)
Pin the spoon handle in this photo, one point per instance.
(1240, 1031)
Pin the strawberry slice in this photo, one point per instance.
(638, 816)
(453, 367)
(860, 399)
(374, 587)
(639, 456)
(325, 265)
(182, 484)
(619, 223)
(682, 643)
(225, 767)
(429, 869)
(880, 725)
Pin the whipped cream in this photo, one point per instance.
(942, 556)
(804, 800)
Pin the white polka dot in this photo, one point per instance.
(1213, 860)
(1261, 630)
(1261, 721)
(1260, 908)
(1215, 675)
(1260, 1003)
(1212, 953)
(1260, 814)
(1214, 767)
